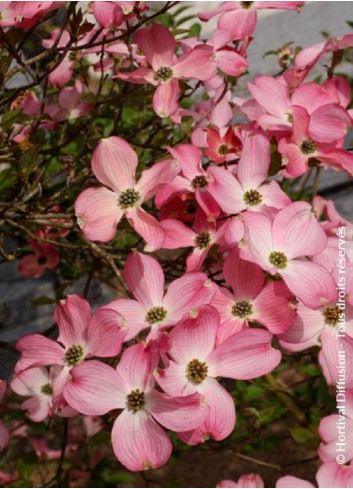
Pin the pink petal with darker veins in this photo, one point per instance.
(139, 443)
(240, 23)
(105, 334)
(254, 162)
(237, 357)
(221, 419)
(296, 231)
(270, 94)
(186, 293)
(114, 163)
(72, 315)
(311, 283)
(37, 350)
(98, 213)
(148, 227)
(145, 278)
(166, 98)
(197, 63)
(157, 44)
(95, 389)
(177, 413)
(135, 368)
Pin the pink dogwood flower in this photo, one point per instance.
(7, 477)
(332, 426)
(111, 14)
(37, 384)
(4, 432)
(247, 190)
(222, 147)
(99, 209)
(328, 257)
(153, 308)
(333, 219)
(44, 257)
(328, 119)
(194, 361)
(158, 45)
(138, 440)
(180, 206)
(282, 245)
(194, 179)
(81, 336)
(304, 144)
(214, 188)
(108, 14)
(251, 300)
(240, 18)
(201, 238)
(307, 58)
(43, 450)
(227, 58)
(323, 327)
(70, 104)
(28, 102)
(330, 474)
(246, 480)
(25, 14)
(210, 115)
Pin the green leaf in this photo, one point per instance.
(276, 163)
(252, 392)
(304, 437)
(100, 438)
(26, 468)
(195, 30)
(19, 484)
(110, 475)
(253, 411)
(28, 161)
(9, 118)
(268, 53)
(184, 19)
(180, 10)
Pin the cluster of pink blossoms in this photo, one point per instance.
(274, 276)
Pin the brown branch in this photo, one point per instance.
(4, 345)
(97, 250)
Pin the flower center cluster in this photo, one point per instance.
(73, 355)
(242, 309)
(41, 260)
(252, 197)
(223, 149)
(128, 198)
(202, 240)
(308, 146)
(199, 182)
(278, 259)
(46, 389)
(156, 314)
(331, 315)
(135, 400)
(246, 5)
(163, 73)
(196, 371)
